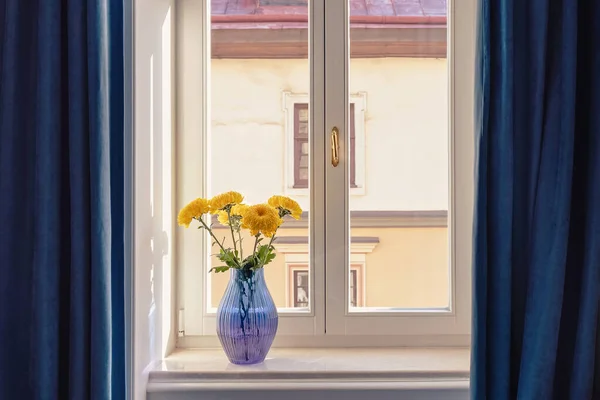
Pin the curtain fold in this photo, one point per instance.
(61, 200)
(536, 294)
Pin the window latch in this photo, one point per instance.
(335, 146)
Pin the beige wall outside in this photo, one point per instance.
(406, 164)
(406, 129)
(408, 268)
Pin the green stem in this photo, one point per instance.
(255, 244)
(241, 247)
(272, 238)
(231, 227)
(270, 243)
(214, 237)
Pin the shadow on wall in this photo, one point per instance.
(153, 270)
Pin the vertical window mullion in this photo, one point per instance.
(337, 177)
(317, 167)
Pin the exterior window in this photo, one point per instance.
(353, 288)
(301, 288)
(258, 89)
(301, 170)
(300, 284)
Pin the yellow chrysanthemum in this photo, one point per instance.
(261, 218)
(194, 209)
(237, 212)
(221, 201)
(286, 206)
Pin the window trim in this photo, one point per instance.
(299, 262)
(298, 142)
(455, 320)
(289, 102)
(291, 294)
(192, 89)
(197, 322)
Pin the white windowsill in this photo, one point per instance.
(433, 371)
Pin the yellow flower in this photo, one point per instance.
(224, 200)
(237, 212)
(261, 218)
(194, 209)
(286, 206)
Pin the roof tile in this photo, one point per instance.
(380, 7)
(357, 7)
(434, 7)
(408, 7)
(218, 6)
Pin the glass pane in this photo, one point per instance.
(303, 162)
(304, 174)
(257, 147)
(353, 292)
(301, 288)
(399, 159)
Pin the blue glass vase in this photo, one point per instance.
(247, 317)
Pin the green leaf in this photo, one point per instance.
(269, 258)
(228, 257)
(265, 254)
(222, 268)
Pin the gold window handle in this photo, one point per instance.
(335, 146)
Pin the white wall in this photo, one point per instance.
(406, 129)
(153, 232)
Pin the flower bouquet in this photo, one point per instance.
(247, 317)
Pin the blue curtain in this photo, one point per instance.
(61, 200)
(536, 330)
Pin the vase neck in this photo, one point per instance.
(247, 275)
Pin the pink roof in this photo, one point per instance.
(381, 8)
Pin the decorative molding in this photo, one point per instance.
(399, 219)
(299, 245)
(367, 41)
(304, 240)
(289, 100)
(378, 219)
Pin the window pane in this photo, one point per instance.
(305, 148)
(304, 174)
(353, 289)
(301, 288)
(399, 207)
(260, 56)
(303, 162)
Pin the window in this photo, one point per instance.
(382, 252)
(301, 288)
(353, 288)
(297, 124)
(293, 253)
(301, 146)
(299, 284)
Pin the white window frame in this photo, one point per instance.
(359, 100)
(451, 324)
(193, 117)
(343, 327)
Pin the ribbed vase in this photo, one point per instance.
(247, 317)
